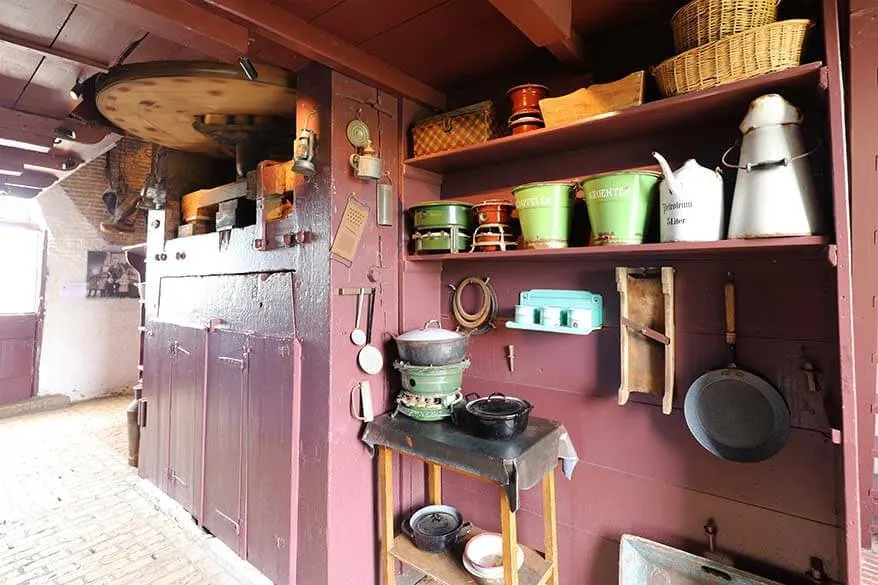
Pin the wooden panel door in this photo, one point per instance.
(154, 403)
(224, 416)
(185, 397)
(17, 356)
(269, 454)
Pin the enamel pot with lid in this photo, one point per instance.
(432, 346)
(497, 417)
(436, 528)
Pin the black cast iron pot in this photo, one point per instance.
(496, 417)
(437, 528)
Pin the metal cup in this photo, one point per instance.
(366, 166)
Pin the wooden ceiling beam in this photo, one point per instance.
(180, 22)
(49, 127)
(15, 191)
(297, 34)
(12, 159)
(9, 40)
(547, 23)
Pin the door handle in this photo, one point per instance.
(230, 360)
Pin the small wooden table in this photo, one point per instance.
(521, 463)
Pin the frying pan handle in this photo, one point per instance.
(731, 336)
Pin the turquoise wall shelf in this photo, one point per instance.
(564, 300)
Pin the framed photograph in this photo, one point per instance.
(111, 276)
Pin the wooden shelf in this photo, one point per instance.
(635, 121)
(813, 245)
(447, 568)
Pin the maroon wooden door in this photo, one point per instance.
(153, 426)
(269, 451)
(185, 406)
(224, 437)
(18, 334)
(21, 272)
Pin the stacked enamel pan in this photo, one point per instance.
(494, 231)
(441, 227)
(431, 365)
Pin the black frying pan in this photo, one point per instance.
(732, 413)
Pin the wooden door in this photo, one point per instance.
(185, 398)
(20, 309)
(17, 356)
(224, 439)
(154, 404)
(269, 454)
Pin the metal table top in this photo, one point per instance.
(516, 464)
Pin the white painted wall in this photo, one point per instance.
(90, 346)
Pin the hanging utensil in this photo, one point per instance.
(732, 413)
(370, 358)
(358, 336)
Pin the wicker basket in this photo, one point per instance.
(754, 52)
(703, 21)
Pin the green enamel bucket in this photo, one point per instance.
(545, 211)
(620, 205)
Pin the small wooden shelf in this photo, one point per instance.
(447, 568)
(635, 121)
(804, 245)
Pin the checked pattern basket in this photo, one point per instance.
(470, 125)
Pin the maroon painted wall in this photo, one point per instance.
(641, 471)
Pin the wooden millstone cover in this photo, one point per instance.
(159, 102)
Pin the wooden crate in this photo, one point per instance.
(594, 100)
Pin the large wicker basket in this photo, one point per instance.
(703, 21)
(754, 52)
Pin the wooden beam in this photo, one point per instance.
(180, 22)
(46, 126)
(547, 23)
(22, 192)
(9, 40)
(33, 179)
(292, 32)
(13, 159)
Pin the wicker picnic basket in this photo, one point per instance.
(740, 56)
(462, 127)
(703, 21)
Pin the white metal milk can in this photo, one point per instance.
(691, 203)
(774, 191)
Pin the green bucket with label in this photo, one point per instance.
(620, 205)
(545, 211)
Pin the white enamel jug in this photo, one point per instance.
(691, 203)
(774, 190)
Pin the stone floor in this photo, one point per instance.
(72, 512)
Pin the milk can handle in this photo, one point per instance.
(769, 163)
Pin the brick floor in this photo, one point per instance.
(72, 512)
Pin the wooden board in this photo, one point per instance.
(159, 103)
(447, 568)
(646, 299)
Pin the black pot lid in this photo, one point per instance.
(498, 407)
(437, 524)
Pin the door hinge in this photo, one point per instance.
(228, 519)
(233, 361)
(141, 413)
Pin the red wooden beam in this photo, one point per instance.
(44, 51)
(297, 34)
(180, 22)
(14, 159)
(14, 191)
(547, 23)
(33, 179)
(46, 126)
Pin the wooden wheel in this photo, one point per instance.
(160, 102)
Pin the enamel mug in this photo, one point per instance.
(366, 166)
(525, 314)
(550, 316)
(579, 318)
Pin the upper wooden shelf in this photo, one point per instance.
(638, 120)
(768, 247)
